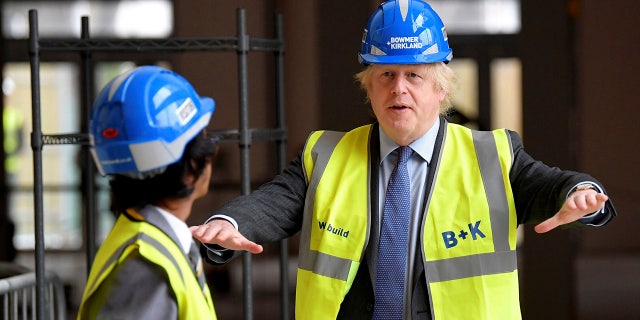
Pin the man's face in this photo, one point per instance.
(404, 100)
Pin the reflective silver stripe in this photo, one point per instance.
(324, 264)
(471, 266)
(160, 247)
(324, 147)
(492, 178)
(146, 238)
(311, 260)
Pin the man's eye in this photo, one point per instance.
(414, 75)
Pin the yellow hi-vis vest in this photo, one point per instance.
(468, 236)
(132, 233)
(13, 122)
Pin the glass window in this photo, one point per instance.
(479, 16)
(62, 19)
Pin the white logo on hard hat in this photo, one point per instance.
(186, 111)
(397, 43)
(116, 161)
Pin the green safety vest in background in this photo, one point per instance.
(12, 122)
(132, 233)
(468, 236)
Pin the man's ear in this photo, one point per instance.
(189, 179)
(442, 94)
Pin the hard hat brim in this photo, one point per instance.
(367, 59)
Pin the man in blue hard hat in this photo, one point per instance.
(410, 217)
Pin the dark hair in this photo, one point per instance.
(127, 192)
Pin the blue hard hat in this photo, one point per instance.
(404, 32)
(142, 120)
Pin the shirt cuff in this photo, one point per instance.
(225, 217)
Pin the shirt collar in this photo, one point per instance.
(422, 146)
(179, 227)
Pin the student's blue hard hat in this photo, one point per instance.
(142, 120)
(404, 32)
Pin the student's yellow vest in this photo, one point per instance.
(132, 234)
(468, 236)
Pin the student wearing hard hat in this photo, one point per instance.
(443, 245)
(148, 134)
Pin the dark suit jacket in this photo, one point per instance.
(274, 212)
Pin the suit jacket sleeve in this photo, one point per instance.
(540, 190)
(272, 212)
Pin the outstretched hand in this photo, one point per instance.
(222, 233)
(577, 205)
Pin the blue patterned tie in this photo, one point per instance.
(392, 250)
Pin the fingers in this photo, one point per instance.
(547, 225)
(222, 233)
(587, 201)
(602, 199)
(206, 232)
(252, 247)
(578, 205)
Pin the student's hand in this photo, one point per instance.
(223, 233)
(577, 205)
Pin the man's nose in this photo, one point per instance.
(399, 86)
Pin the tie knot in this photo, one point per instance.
(404, 154)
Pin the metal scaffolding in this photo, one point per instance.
(244, 136)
